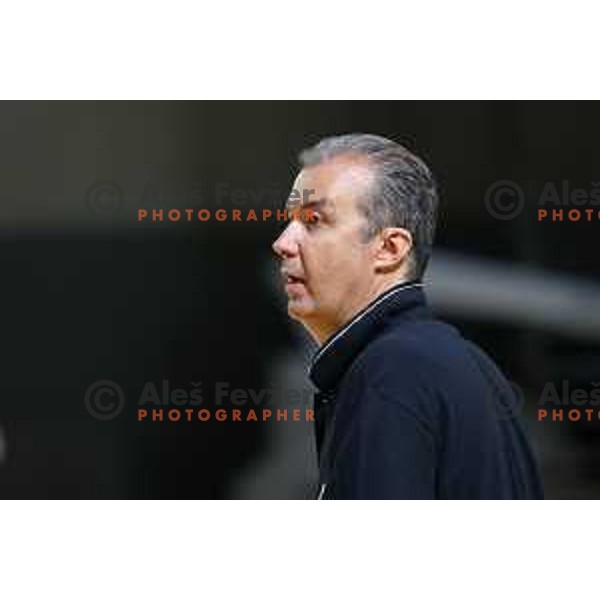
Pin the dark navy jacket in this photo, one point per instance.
(408, 408)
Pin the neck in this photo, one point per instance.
(322, 331)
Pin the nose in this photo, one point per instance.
(286, 245)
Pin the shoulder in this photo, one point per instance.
(425, 364)
(414, 349)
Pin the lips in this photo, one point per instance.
(292, 278)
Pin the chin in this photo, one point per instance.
(300, 310)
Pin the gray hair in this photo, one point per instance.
(404, 194)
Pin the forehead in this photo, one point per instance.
(341, 180)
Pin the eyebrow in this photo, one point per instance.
(321, 203)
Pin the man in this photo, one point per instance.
(403, 408)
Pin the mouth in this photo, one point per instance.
(292, 279)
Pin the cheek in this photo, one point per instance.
(334, 260)
(333, 277)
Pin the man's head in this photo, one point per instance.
(371, 226)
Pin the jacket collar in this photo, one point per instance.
(335, 356)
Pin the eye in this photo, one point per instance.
(312, 218)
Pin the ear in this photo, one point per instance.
(393, 247)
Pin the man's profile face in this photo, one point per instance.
(326, 263)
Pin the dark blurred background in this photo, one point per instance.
(91, 294)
